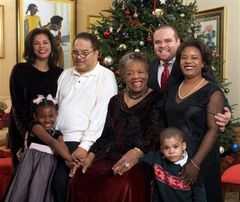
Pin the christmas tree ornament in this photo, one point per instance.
(221, 149)
(141, 43)
(124, 34)
(158, 12)
(122, 47)
(111, 29)
(108, 60)
(117, 72)
(189, 31)
(127, 12)
(182, 15)
(135, 15)
(137, 50)
(215, 54)
(235, 147)
(119, 28)
(149, 39)
(171, 17)
(106, 34)
(226, 90)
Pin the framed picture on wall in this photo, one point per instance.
(1, 33)
(212, 23)
(93, 20)
(56, 15)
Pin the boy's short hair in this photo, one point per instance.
(170, 132)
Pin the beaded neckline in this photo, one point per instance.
(191, 91)
(137, 97)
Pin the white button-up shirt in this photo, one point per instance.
(83, 101)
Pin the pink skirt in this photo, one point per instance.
(99, 184)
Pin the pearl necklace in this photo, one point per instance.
(137, 97)
(195, 87)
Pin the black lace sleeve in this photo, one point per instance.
(215, 105)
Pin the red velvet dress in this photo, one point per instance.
(125, 128)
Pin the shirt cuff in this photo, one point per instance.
(85, 145)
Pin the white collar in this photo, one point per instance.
(92, 72)
(170, 62)
(183, 161)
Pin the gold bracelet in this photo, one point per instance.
(195, 165)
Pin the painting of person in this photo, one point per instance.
(31, 21)
(54, 26)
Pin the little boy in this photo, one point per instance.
(167, 165)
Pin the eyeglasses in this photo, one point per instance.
(82, 54)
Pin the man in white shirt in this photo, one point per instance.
(83, 95)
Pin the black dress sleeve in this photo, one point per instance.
(18, 98)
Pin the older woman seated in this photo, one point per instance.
(134, 121)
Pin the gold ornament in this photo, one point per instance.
(158, 12)
(122, 47)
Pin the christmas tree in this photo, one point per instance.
(129, 25)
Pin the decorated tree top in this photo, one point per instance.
(130, 24)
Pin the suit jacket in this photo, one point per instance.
(175, 77)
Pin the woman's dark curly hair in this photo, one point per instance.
(205, 52)
(29, 55)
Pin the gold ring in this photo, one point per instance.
(127, 165)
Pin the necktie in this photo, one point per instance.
(164, 77)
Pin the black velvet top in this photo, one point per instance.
(26, 82)
(129, 127)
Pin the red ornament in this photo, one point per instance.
(127, 12)
(117, 72)
(106, 34)
(149, 39)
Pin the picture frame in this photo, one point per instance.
(46, 10)
(93, 20)
(1, 31)
(212, 23)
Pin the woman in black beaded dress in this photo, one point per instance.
(131, 129)
(191, 107)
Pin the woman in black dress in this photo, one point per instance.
(191, 107)
(38, 75)
(132, 127)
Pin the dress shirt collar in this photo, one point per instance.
(170, 62)
(183, 161)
